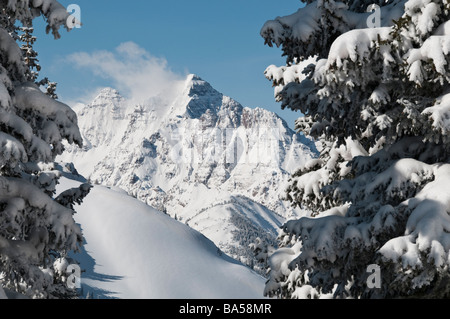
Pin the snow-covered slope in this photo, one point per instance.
(134, 251)
(188, 154)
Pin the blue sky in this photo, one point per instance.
(217, 40)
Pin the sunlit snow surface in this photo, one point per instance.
(133, 251)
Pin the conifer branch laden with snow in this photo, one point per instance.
(377, 99)
(32, 62)
(35, 229)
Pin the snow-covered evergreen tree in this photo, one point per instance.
(32, 62)
(29, 54)
(372, 79)
(36, 230)
(51, 88)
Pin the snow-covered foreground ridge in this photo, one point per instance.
(133, 251)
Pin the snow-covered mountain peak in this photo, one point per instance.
(108, 96)
(192, 156)
(202, 98)
(195, 85)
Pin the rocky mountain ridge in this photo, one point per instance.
(201, 157)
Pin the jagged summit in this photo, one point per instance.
(195, 79)
(195, 85)
(197, 99)
(203, 98)
(214, 108)
(107, 95)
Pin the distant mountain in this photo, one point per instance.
(201, 157)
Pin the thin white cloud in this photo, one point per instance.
(133, 71)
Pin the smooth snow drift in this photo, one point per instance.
(133, 251)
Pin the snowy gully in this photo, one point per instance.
(226, 309)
